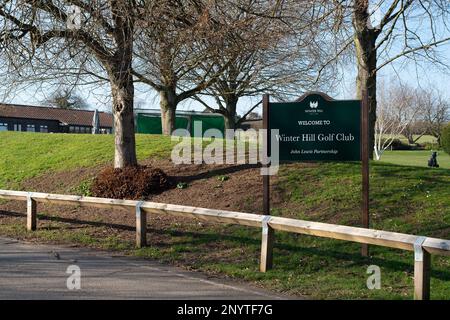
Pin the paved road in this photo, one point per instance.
(29, 271)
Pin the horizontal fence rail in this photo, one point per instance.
(421, 246)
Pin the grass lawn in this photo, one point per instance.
(26, 155)
(405, 198)
(415, 158)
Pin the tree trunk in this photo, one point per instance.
(378, 153)
(168, 104)
(122, 88)
(124, 134)
(230, 122)
(410, 138)
(366, 56)
(230, 114)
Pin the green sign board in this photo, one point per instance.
(317, 128)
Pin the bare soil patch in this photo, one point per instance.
(223, 187)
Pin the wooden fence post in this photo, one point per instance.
(141, 226)
(422, 263)
(268, 238)
(31, 213)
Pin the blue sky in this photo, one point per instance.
(416, 75)
(404, 70)
(426, 75)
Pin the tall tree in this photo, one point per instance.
(380, 32)
(47, 32)
(398, 112)
(176, 38)
(436, 112)
(279, 48)
(251, 72)
(396, 33)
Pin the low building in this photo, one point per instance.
(45, 119)
(256, 124)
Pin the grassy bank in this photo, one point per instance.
(26, 155)
(410, 199)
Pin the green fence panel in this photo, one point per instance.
(208, 122)
(148, 124)
(181, 122)
(151, 124)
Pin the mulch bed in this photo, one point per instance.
(132, 183)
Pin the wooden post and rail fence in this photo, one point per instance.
(422, 247)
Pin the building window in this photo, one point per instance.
(17, 127)
(3, 126)
(79, 129)
(31, 128)
(44, 129)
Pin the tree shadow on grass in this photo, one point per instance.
(216, 172)
(408, 172)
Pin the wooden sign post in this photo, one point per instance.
(268, 234)
(266, 178)
(318, 128)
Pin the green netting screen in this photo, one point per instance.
(151, 124)
(208, 122)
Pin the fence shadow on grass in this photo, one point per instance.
(200, 238)
(70, 221)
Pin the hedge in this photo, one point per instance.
(445, 138)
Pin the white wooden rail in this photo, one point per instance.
(421, 246)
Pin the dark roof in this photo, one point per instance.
(69, 117)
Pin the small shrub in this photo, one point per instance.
(134, 183)
(445, 138)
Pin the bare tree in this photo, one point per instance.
(176, 39)
(396, 34)
(411, 112)
(36, 34)
(414, 130)
(66, 98)
(380, 32)
(397, 109)
(431, 116)
(278, 52)
(436, 112)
